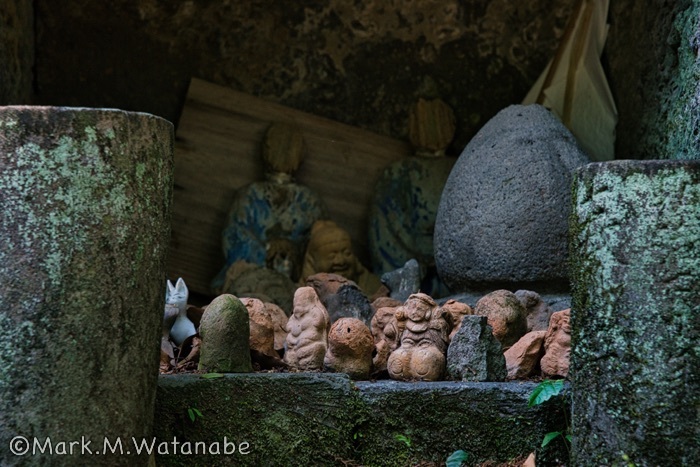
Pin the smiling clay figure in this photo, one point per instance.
(307, 338)
(330, 250)
(421, 353)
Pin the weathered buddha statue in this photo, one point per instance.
(330, 250)
(423, 341)
(269, 221)
(406, 198)
(307, 338)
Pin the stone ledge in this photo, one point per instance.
(326, 419)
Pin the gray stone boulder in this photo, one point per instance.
(503, 215)
(404, 281)
(474, 353)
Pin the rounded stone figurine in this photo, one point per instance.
(421, 354)
(330, 250)
(269, 221)
(350, 347)
(225, 332)
(406, 197)
(307, 339)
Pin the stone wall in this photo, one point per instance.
(16, 51)
(362, 64)
(326, 419)
(653, 49)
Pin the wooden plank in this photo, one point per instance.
(217, 151)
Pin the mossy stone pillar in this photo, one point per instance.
(84, 231)
(635, 319)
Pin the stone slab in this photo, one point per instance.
(325, 419)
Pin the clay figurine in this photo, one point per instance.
(506, 315)
(557, 346)
(350, 348)
(406, 198)
(330, 250)
(457, 311)
(269, 221)
(176, 295)
(307, 340)
(279, 325)
(262, 333)
(421, 354)
(386, 330)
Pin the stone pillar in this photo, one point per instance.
(635, 257)
(84, 232)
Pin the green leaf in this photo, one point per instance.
(193, 413)
(212, 375)
(545, 391)
(568, 438)
(403, 439)
(456, 458)
(549, 437)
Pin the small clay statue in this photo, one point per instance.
(262, 333)
(406, 198)
(176, 295)
(386, 330)
(421, 354)
(557, 346)
(307, 340)
(457, 311)
(269, 221)
(279, 325)
(330, 250)
(350, 348)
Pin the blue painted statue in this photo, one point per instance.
(269, 222)
(406, 197)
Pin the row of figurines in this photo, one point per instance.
(407, 341)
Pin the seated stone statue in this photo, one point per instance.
(269, 221)
(406, 198)
(330, 250)
(423, 341)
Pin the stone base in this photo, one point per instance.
(326, 419)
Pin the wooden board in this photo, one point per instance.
(217, 151)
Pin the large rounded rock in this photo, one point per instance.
(503, 215)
